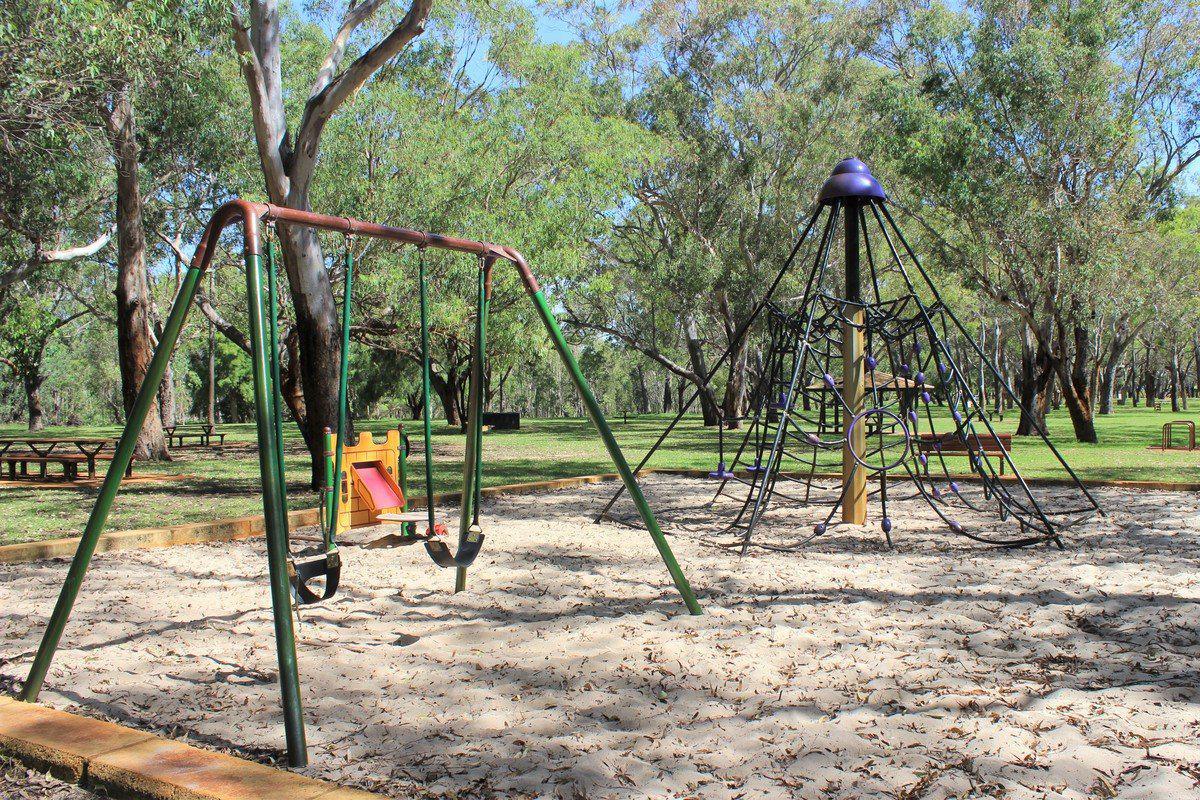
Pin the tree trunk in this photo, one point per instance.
(1074, 382)
(666, 397)
(415, 403)
(1196, 357)
(135, 346)
(642, 392)
(733, 405)
(1036, 372)
(288, 164)
(318, 335)
(211, 410)
(1175, 378)
(708, 400)
(1108, 376)
(166, 397)
(32, 379)
(1149, 381)
(447, 390)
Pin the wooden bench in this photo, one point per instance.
(70, 464)
(948, 444)
(203, 435)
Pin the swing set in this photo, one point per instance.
(291, 579)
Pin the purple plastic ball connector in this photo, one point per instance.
(819, 528)
(871, 362)
(886, 524)
(924, 459)
(936, 492)
(920, 377)
(925, 396)
(954, 486)
(917, 346)
(904, 369)
(812, 438)
(829, 381)
(956, 526)
(914, 417)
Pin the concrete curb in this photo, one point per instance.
(126, 763)
(233, 529)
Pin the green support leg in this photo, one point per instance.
(108, 489)
(614, 452)
(275, 521)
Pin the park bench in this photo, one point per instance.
(203, 435)
(18, 464)
(948, 444)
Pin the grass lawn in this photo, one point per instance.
(226, 483)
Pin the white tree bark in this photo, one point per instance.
(288, 172)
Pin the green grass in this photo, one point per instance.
(227, 485)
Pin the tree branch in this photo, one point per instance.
(337, 90)
(41, 257)
(268, 116)
(225, 327)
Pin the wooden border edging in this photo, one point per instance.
(221, 530)
(122, 762)
(233, 529)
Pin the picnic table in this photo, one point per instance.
(46, 450)
(203, 433)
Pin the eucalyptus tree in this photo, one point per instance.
(32, 317)
(487, 133)
(1049, 131)
(139, 78)
(368, 35)
(51, 162)
(751, 103)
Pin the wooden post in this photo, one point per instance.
(854, 481)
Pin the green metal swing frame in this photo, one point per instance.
(263, 325)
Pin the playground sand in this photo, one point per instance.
(570, 668)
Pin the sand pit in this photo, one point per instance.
(570, 669)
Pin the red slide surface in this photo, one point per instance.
(379, 490)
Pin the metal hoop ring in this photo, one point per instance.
(886, 413)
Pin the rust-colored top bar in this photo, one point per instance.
(251, 214)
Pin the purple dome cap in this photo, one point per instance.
(851, 178)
